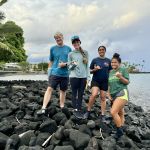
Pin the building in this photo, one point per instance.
(12, 67)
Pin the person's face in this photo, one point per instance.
(115, 64)
(59, 40)
(76, 44)
(101, 51)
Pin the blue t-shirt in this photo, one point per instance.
(59, 54)
(102, 74)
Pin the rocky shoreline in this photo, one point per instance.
(21, 128)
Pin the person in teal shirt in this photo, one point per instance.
(118, 92)
(57, 72)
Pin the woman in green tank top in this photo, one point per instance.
(118, 93)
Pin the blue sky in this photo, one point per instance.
(122, 26)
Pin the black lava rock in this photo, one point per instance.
(49, 126)
(79, 139)
(69, 147)
(20, 100)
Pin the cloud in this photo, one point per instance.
(125, 20)
(123, 26)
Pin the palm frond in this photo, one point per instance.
(4, 47)
(2, 2)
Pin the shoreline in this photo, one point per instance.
(19, 102)
(41, 73)
(19, 73)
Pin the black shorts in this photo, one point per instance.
(101, 85)
(54, 81)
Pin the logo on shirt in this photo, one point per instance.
(106, 64)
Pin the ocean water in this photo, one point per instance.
(139, 90)
(139, 87)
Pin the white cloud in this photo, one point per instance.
(122, 25)
(125, 20)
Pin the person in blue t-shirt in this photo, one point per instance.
(100, 68)
(58, 71)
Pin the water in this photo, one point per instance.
(139, 89)
(42, 77)
(139, 86)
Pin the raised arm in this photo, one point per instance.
(50, 63)
(93, 67)
(124, 77)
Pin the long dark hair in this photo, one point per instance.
(85, 59)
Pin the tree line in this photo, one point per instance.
(11, 40)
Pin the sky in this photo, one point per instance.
(123, 26)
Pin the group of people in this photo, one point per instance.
(109, 78)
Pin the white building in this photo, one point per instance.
(12, 66)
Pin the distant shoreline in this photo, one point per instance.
(20, 73)
(140, 73)
(40, 73)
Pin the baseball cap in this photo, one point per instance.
(75, 38)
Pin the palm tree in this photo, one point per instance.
(2, 16)
(2, 2)
(1, 13)
(4, 47)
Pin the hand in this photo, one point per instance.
(62, 64)
(74, 63)
(118, 74)
(96, 68)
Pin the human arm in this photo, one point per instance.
(124, 77)
(94, 67)
(63, 64)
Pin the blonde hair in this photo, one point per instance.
(58, 34)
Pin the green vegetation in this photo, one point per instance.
(43, 66)
(25, 66)
(134, 68)
(2, 64)
(2, 16)
(11, 41)
(2, 2)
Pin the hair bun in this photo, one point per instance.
(116, 55)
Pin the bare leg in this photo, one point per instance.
(92, 97)
(103, 101)
(121, 114)
(47, 97)
(62, 98)
(116, 108)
